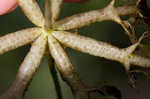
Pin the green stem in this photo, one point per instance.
(53, 72)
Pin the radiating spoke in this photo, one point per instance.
(17, 39)
(52, 9)
(60, 56)
(66, 68)
(83, 19)
(101, 49)
(26, 70)
(32, 11)
(88, 45)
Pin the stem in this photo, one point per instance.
(53, 72)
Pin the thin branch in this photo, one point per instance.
(32, 11)
(14, 40)
(101, 49)
(26, 70)
(67, 69)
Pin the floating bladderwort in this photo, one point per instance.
(44, 38)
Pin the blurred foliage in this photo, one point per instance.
(92, 70)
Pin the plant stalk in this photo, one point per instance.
(55, 78)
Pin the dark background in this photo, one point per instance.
(92, 70)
